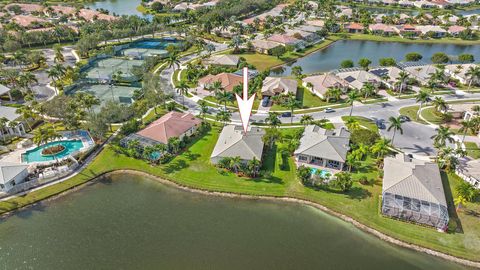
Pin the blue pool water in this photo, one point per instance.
(35, 155)
(323, 173)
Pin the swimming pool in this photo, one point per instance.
(35, 155)
(321, 173)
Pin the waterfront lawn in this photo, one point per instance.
(369, 37)
(193, 169)
(261, 61)
(473, 150)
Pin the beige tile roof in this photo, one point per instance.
(233, 142)
(172, 124)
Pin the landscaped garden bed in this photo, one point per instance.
(53, 150)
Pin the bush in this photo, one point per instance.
(363, 180)
(364, 136)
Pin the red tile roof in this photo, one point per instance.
(228, 80)
(354, 26)
(172, 124)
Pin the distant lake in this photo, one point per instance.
(119, 7)
(331, 57)
(129, 222)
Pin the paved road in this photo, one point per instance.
(41, 90)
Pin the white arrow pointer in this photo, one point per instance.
(245, 105)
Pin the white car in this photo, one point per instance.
(329, 110)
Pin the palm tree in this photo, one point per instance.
(352, 161)
(203, 108)
(223, 117)
(306, 119)
(439, 104)
(58, 58)
(395, 124)
(422, 97)
(272, 120)
(253, 166)
(3, 123)
(183, 90)
(467, 125)
(444, 134)
(402, 80)
(351, 98)
(291, 102)
(271, 135)
(352, 124)
(26, 112)
(473, 75)
(235, 163)
(173, 61)
(460, 201)
(333, 92)
(381, 147)
(368, 90)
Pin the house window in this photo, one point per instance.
(302, 158)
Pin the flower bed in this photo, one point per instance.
(56, 149)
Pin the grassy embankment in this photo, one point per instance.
(192, 169)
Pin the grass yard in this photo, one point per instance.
(192, 168)
(307, 99)
(473, 150)
(432, 116)
(412, 113)
(261, 61)
(362, 121)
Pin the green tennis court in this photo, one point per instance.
(104, 92)
(105, 69)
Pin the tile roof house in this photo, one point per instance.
(421, 72)
(222, 60)
(407, 30)
(12, 174)
(357, 78)
(389, 75)
(228, 81)
(27, 20)
(91, 15)
(322, 148)
(284, 39)
(172, 124)
(26, 8)
(273, 86)
(381, 29)
(460, 71)
(62, 10)
(321, 83)
(302, 35)
(354, 28)
(232, 142)
(469, 170)
(318, 23)
(455, 30)
(433, 30)
(264, 46)
(412, 190)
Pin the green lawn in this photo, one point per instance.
(412, 113)
(473, 150)
(261, 61)
(432, 116)
(192, 168)
(362, 121)
(307, 99)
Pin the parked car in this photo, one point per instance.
(329, 110)
(265, 101)
(380, 124)
(404, 118)
(286, 114)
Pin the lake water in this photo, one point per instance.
(331, 57)
(119, 7)
(128, 222)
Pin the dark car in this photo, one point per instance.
(380, 124)
(265, 101)
(404, 118)
(286, 114)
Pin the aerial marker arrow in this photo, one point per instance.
(245, 104)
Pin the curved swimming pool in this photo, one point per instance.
(35, 155)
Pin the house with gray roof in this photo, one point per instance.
(5, 90)
(357, 78)
(12, 174)
(412, 190)
(323, 149)
(389, 75)
(233, 142)
(10, 113)
(222, 60)
(469, 170)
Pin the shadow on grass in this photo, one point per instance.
(174, 166)
(454, 219)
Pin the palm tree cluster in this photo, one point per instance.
(250, 168)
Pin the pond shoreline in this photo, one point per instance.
(207, 192)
